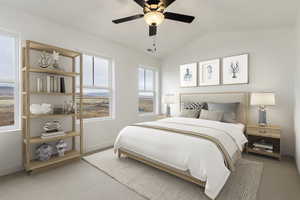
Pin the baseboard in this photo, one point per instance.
(11, 170)
(98, 147)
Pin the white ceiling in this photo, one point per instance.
(94, 17)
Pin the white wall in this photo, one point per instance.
(98, 134)
(297, 97)
(272, 64)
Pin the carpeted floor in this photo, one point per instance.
(153, 184)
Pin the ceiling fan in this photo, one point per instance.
(154, 14)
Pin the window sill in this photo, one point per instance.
(148, 115)
(10, 130)
(96, 119)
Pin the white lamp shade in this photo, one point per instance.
(169, 99)
(262, 99)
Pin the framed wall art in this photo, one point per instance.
(235, 70)
(209, 72)
(188, 75)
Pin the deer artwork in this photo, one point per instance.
(234, 69)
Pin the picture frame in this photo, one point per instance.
(235, 70)
(209, 72)
(188, 75)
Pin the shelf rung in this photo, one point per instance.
(37, 140)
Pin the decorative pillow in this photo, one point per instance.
(211, 115)
(193, 106)
(229, 110)
(189, 113)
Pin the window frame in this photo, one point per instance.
(110, 87)
(155, 90)
(17, 103)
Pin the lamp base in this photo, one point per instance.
(168, 113)
(262, 118)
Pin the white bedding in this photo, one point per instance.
(200, 157)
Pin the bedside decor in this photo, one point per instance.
(168, 100)
(188, 75)
(209, 72)
(262, 100)
(235, 70)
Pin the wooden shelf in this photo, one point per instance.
(52, 71)
(47, 116)
(49, 48)
(55, 160)
(37, 140)
(50, 93)
(261, 152)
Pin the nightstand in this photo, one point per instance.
(264, 140)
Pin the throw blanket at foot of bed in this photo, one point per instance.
(206, 149)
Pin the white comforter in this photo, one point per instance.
(200, 157)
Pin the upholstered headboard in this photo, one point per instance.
(225, 97)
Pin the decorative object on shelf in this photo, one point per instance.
(38, 109)
(262, 100)
(58, 109)
(53, 134)
(235, 69)
(62, 85)
(188, 75)
(168, 100)
(52, 126)
(61, 147)
(39, 84)
(55, 57)
(69, 107)
(44, 152)
(209, 72)
(45, 60)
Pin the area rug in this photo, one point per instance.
(154, 184)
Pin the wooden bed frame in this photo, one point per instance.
(241, 97)
(181, 174)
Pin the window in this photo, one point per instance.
(147, 90)
(97, 87)
(9, 90)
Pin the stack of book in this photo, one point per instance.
(263, 147)
(53, 134)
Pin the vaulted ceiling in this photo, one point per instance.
(94, 17)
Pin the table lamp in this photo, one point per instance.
(262, 100)
(168, 100)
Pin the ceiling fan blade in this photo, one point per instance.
(179, 17)
(168, 2)
(152, 30)
(140, 2)
(126, 19)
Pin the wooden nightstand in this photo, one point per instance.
(268, 136)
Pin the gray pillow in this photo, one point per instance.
(211, 115)
(189, 113)
(229, 110)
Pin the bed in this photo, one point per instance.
(200, 151)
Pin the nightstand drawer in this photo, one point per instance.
(265, 132)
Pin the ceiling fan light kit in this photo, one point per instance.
(154, 14)
(154, 18)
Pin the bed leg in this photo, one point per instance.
(119, 154)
